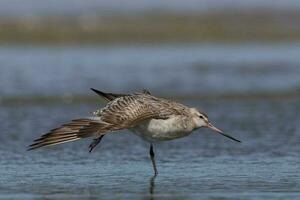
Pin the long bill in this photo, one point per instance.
(221, 132)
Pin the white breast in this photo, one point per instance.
(160, 130)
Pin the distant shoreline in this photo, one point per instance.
(75, 99)
(226, 26)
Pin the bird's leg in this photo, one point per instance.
(95, 143)
(153, 160)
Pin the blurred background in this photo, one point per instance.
(198, 48)
(238, 60)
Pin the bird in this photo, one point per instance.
(152, 118)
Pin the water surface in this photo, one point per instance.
(175, 69)
(37, 7)
(204, 165)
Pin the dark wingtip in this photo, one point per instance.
(98, 92)
(94, 90)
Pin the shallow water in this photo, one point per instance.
(176, 69)
(202, 166)
(36, 7)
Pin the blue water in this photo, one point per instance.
(204, 165)
(38, 7)
(184, 69)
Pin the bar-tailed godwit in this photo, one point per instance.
(152, 118)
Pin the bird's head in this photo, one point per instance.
(200, 119)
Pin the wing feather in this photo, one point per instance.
(128, 111)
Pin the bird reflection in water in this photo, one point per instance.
(152, 186)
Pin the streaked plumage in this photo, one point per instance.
(150, 117)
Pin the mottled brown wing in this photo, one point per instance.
(128, 111)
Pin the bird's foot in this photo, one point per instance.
(95, 143)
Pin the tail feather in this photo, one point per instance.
(56, 137)
(75, 130)
(51, 143)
